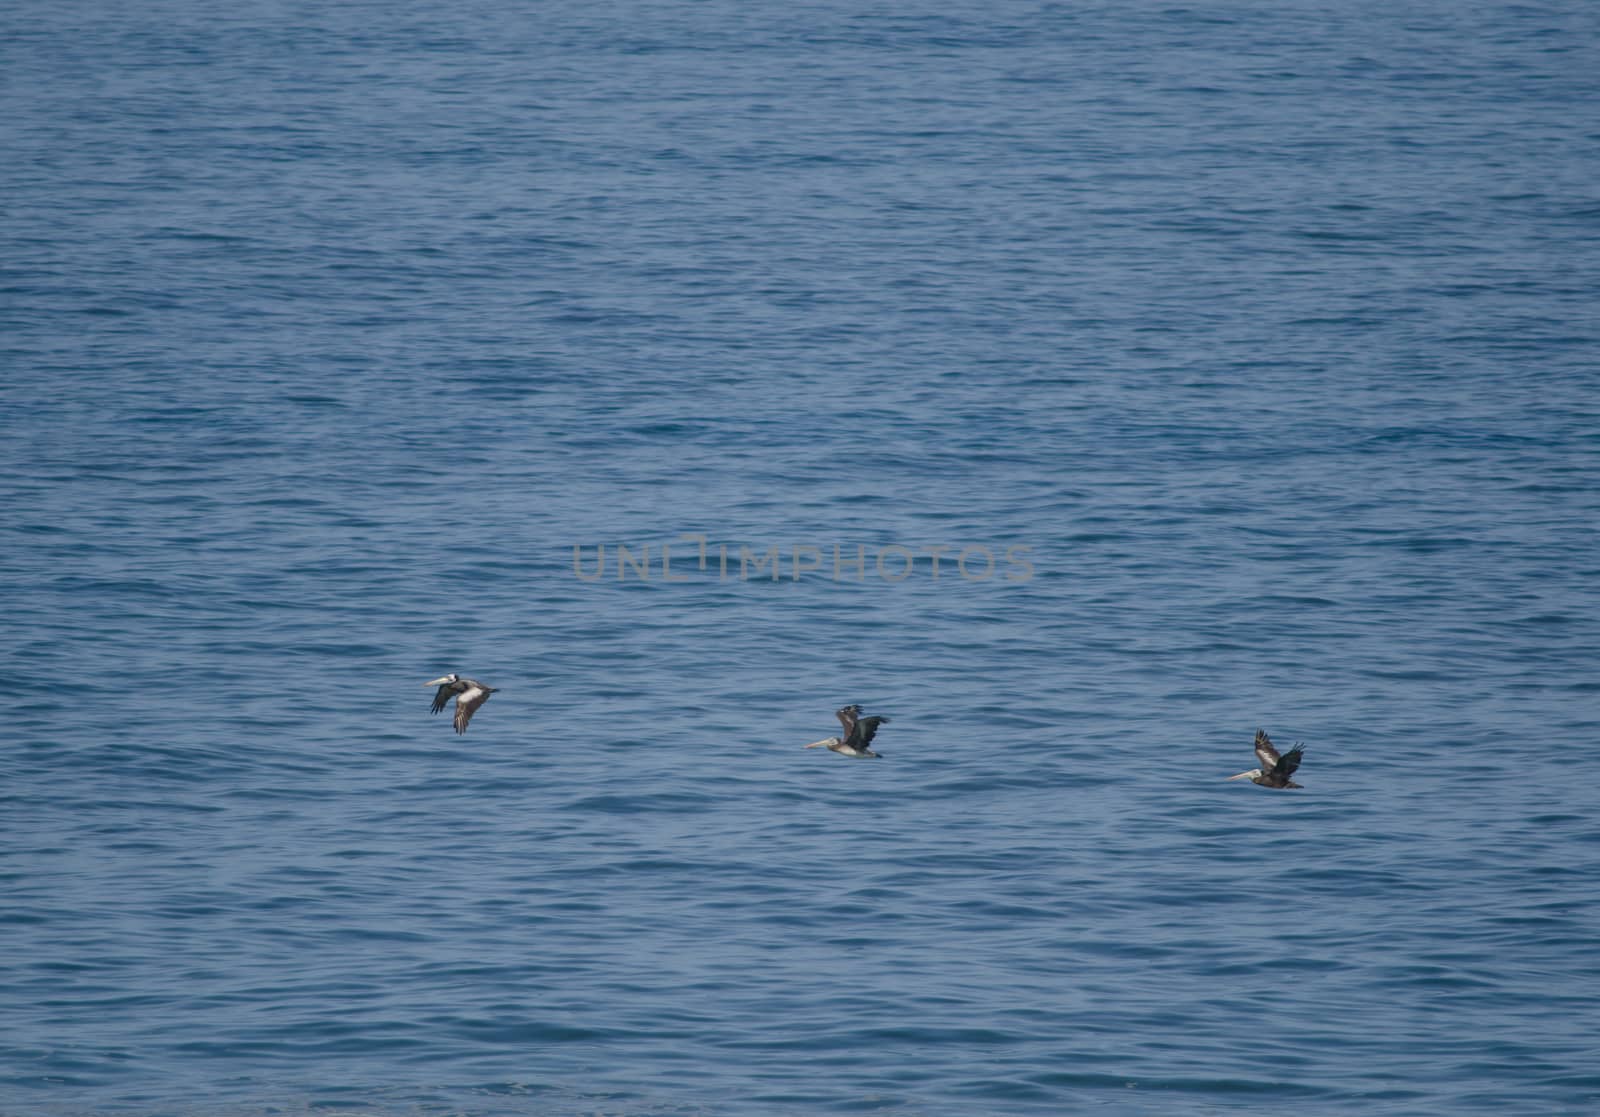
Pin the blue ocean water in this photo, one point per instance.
(1237, 362)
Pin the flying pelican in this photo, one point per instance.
(469, 695)
(1275, 770)
(858, 734)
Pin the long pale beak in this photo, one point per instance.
(1242, 776)
(438, 682)
(819, 744)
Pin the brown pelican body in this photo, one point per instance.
(469, 695)
(858, 734)
(1275, 770)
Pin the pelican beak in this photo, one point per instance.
(819, 744)
(438, 682)
(1241, 776)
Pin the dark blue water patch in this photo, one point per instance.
(388, 367)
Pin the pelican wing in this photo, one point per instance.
(468, 701)
(862, 732)
(1290, 761)
(1265, 753)
(847, 718)
(442, 695)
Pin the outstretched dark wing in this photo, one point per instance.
(1289, 762)
(862, 732)
(1265, 753)
(467, 703)
(847, 717)
(442, 695)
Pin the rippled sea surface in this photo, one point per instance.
(1238, 363)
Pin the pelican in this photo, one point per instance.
(858, 734)
(469, 695)
(1275, 770)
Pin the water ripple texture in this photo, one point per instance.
(1083, 386)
